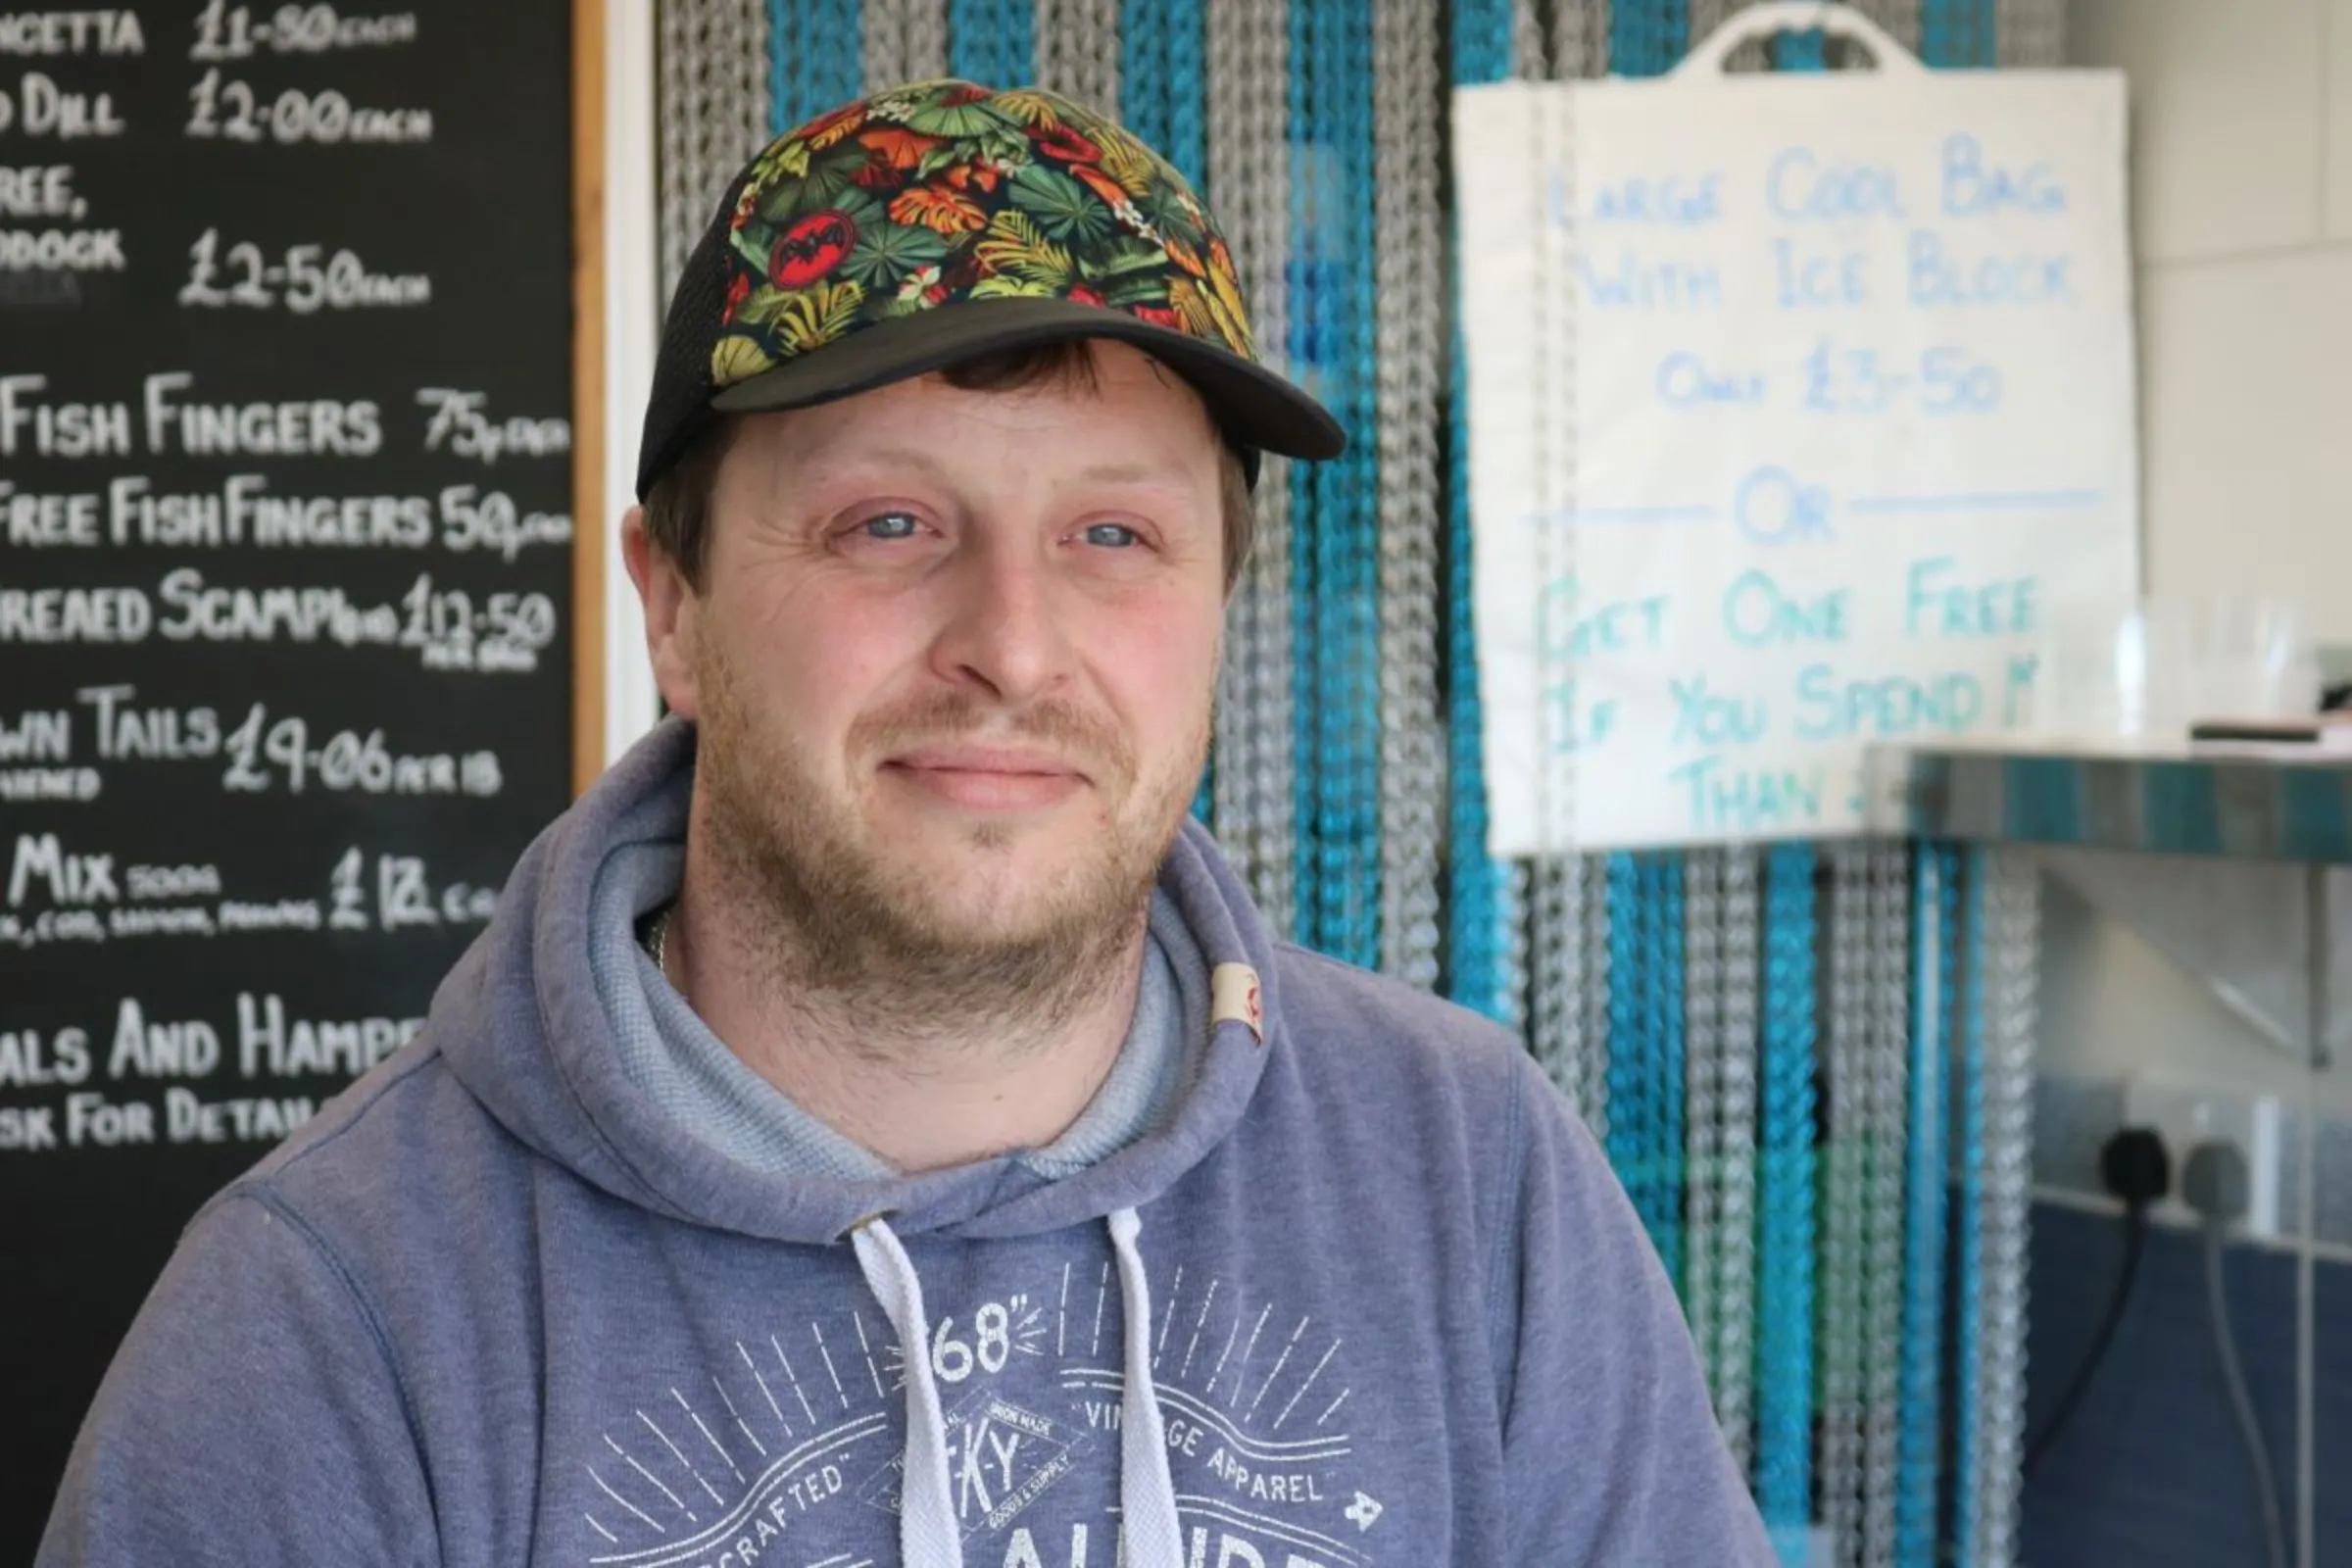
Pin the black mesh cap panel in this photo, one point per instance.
(679, 409)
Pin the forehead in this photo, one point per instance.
(1118, 402)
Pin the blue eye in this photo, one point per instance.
(890, 526)
(1114, 535)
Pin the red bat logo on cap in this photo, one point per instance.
(811, 248)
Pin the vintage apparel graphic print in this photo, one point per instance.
(789, 1455)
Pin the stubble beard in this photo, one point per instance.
(862, 941)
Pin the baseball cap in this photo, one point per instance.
(943, 221)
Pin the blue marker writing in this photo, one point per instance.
(1800, 188)
(1757, 612)
(1747, 799)
(1685, 381)
(1635, 284)
(1884, 707)
(1819, 278)
(1572, 726)
(1666, 201)
(1974, 188)
(1772, 506)
(1935, 606)
(1702, 719)
(1940, 278)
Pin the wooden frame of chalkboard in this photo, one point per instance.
(588, 339)
(302, 589)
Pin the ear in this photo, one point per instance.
(672, 614)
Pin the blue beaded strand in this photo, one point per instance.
(1958, 32)
(1649, 38)
(837, 72)
(1800, 51)
(1310, 301)
(1016, 57)
(788, 28)
(1326, 791)
(1784, 1456)
(1645, 1070)
(1952, 33)
(1475, 939)
(815, 59)
(1969, 961)
(1919, 1440)
(1628, 1140)
(993, 42)
(1668, 1152)
(1184, 56)
(1335, 544)
(1785, 1202)
(1355, 583)
(1661, 1203)
(1163, 83)
(1143, 69)
(1648, 981)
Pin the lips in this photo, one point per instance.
(986, 778)
(986, 760)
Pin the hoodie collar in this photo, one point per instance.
(523, 1025)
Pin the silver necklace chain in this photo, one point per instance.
(656, 937)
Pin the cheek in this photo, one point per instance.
(1161, 664)
(812, 659)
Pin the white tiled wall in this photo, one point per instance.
(2241, 166)
(2241, 185)
(2242, 225)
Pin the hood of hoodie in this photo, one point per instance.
(522, 1022)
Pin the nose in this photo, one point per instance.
(1004, 626)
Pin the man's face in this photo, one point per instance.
(953, 660)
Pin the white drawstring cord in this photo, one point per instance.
(1146, 1492)
(928, 1535)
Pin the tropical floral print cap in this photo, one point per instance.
(939, 222)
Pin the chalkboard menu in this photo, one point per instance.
(285, 554)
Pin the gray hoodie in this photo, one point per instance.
(1368, 1294)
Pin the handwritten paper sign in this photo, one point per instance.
(1799, 405)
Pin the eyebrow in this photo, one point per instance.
(1127, 471)
(1158, 473)
(896, 456)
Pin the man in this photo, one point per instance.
(877, 1127)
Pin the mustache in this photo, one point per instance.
(1093, 746)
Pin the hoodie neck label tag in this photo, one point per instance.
(1233, 995)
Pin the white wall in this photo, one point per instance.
(632, 307)
(2241, 190)
(2242, 185)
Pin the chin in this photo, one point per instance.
(977, 921)
(994, 883)
(985, 875)
(1010, 847)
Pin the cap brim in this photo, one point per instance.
(1256, 407)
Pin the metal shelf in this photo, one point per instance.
(2222, 801)
(2244, 803)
